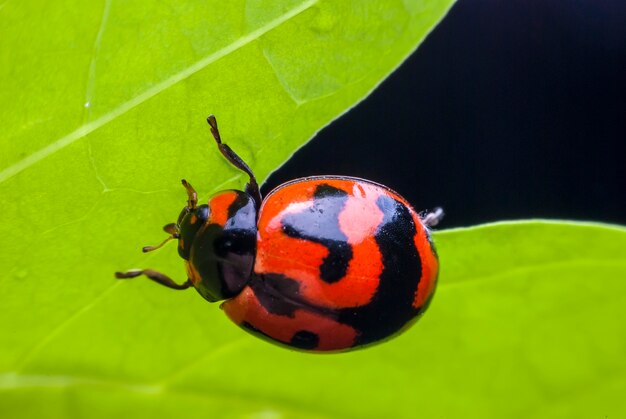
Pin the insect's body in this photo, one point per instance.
(325, 263)
(340, 262)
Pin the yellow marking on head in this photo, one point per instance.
(193, 274)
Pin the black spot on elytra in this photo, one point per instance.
(391, 307)
(304, 339)
(320, 224)
(276, 293)
(256, 331)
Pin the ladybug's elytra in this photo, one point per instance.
(324, 263)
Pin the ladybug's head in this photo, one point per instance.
(218, 241)
(189, 223)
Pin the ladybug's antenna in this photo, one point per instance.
(158, 277)
(252, 187)
(147, 249)
(168, 228)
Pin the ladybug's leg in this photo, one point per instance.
(156, 277)
(433, 218)
(192, 197)
(252, 187)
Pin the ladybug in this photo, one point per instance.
(323, 263)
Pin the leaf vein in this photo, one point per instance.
(91, 75)
(86, 129)
(281, 80)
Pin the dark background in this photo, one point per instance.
(509, 109)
